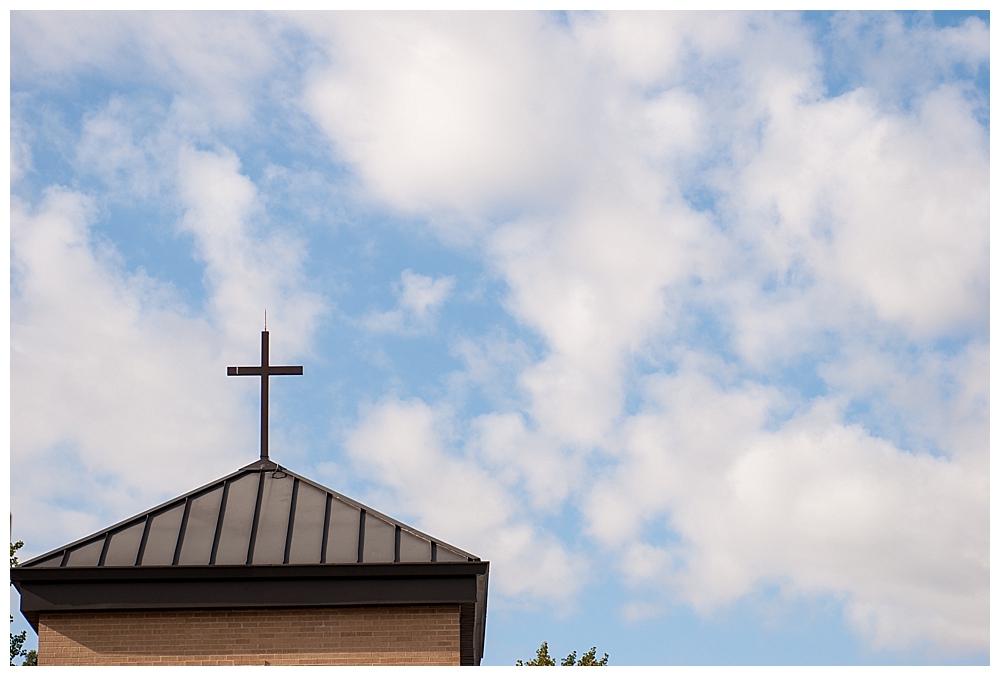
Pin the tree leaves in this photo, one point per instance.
(543, 659)
(17, 640)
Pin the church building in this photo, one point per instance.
(259, 567)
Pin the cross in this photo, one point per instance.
(264, 371)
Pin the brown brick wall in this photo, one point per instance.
(391, 635)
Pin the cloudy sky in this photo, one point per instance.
(681, 320)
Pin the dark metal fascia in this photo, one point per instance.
(201, 587)
(482, 592)
(72, 574)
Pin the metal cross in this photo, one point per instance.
(264, 371)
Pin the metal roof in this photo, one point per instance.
(262, 514)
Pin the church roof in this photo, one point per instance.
(260, 515)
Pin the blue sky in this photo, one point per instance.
(679, 319)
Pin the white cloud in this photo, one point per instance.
(404, 444)
(815, 506)
(140, 151)
(214, 60)
(526, 460)
(491, 364)
(102, 365)
(840, 228)
(593, 286)
(131, 164)
(248, 266)
(926, 402)
(420, 297)
(448, 111)
(20, 139)
(901, 61)
(421, 294)
(890, 212)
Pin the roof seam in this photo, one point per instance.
(218, 522)
(291, 519)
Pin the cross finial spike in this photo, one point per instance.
(265, 370)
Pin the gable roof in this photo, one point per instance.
(260, 515)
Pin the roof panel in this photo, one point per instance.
(124, 546)
(413, 549)
(445, 554)
(307, 529)
(272, 524)
(342, 538)
(380, 541)
(199, 531)
(241, 502)
(51, 562)
(87, 555)
(161, 543)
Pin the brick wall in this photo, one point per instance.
(390, 635)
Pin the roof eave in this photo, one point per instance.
(103, 588)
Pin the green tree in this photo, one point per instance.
(17, 640)
(543, 659)
(589, 659)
